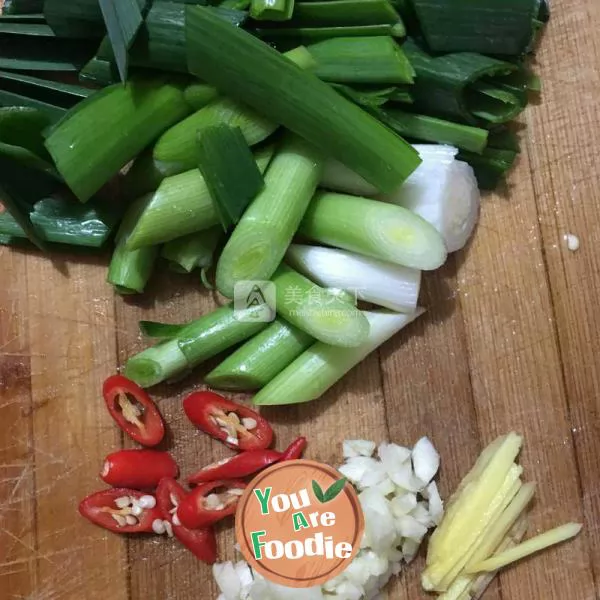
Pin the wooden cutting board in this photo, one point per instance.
(511, 340)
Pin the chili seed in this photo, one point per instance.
(131, 520)
(123, 502)
(121, 521)
(168, 528)
(249, 423)
(158, 526)
(147, 501)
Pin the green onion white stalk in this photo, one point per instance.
(259, 241)
(375, 229)
(442, 190)
(181, 205)
(261, 358)
(385, 284)
(196, 342)
(325, 316)
(319, 367)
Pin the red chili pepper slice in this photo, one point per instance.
(206, 505)
(295, 449)
(237, 426)
(202, 543)
(121, 510)
(242, 464)
(138, 469)
(133, 410)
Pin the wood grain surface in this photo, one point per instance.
(511, 340)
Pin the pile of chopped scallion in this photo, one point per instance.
(334, 148)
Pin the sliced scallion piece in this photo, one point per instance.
(179, 144)
(216, 332)
(434, 130)
(21, 7)
(196, 342)
(310, 35)
(258, 243)
(490, 166)
(375, 229)
(99, 72)
(193, 251)
(8, 99)
(198, 95)
(182, 204)
(21, 17)
(162, 331)
(374, 60)
(252, 72)
(160, 42)
(64, 220)
(123, 19)
(345, 12)
(46, 90)
(75, 19)
(104, 132)
(272, 10)
(229, 170)
(130, 270)
(486, 26)
(465, 86)
(146, 174)
(325, 316)
(261, 358)
(368, 279)
(318, 368)
(367, 96)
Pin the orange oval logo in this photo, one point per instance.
(299, 523)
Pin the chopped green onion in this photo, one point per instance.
(182, 204)
(491, 166)
(21, 7)
(160, 43)
(325, 316)
(179, 144)
(432, 129)
(362, 60)
(339, 178)
(146, 174)
(196, 342)
(310, 35)
(272, 10)
(198, 95)
(193, 251)
(34, 47)
(21, 18)
(75, 18)
(345, 12)
(229, 170)
(54, 92)
(251, 71)
(259, 241)
(216, 332)
(260, 359)
(130, 270)
(63, 220)
(163, 331)
(103, 133)
(367, 96)
(123, 19)
(9, 99)
(485, 26)
(371, 280)
(99, 72)
(318, 368)
(375, 229)
(465, 86)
